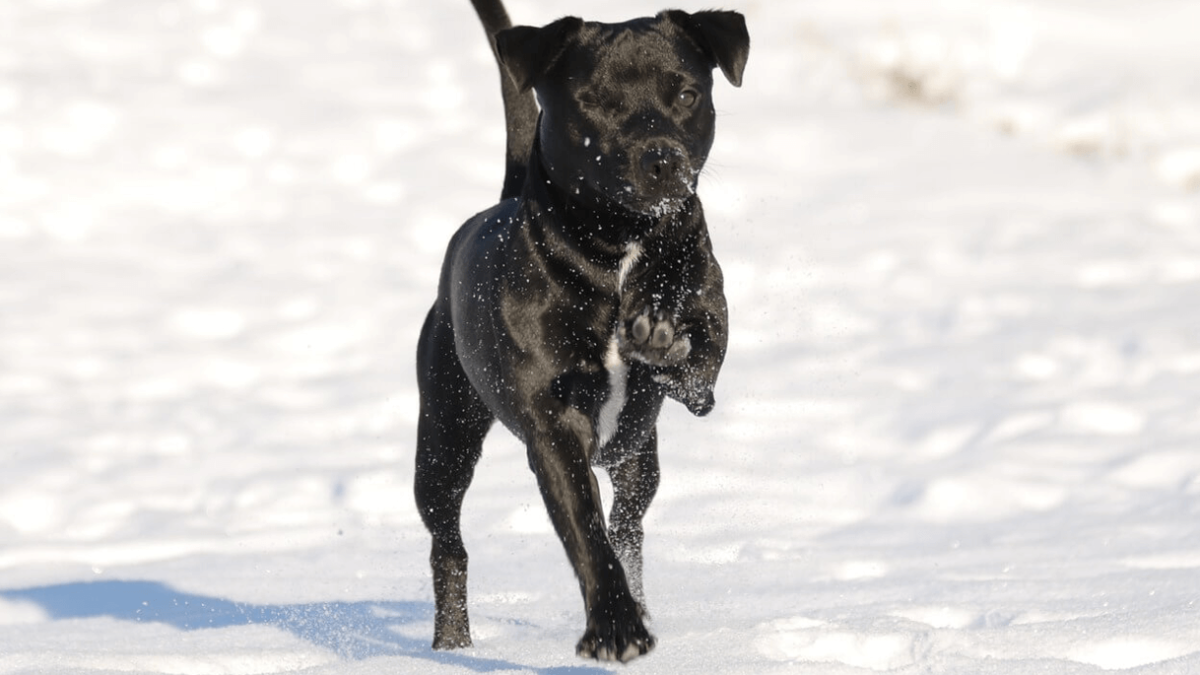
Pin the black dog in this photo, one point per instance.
(572, 308)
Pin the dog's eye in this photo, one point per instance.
(688, 97)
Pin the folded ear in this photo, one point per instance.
(723, 37)
(527, 52)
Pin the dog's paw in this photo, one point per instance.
(652, 337)
(610, 639)
(444, 643)
(692, 392)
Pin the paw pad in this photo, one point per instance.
(658, 335)
(652, 337)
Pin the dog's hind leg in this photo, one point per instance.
(450, 435)
(635, 481)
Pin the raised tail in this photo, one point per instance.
(520, 107)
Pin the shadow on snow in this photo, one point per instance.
(353, 630)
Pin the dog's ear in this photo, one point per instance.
(723, 37)
(527, 52)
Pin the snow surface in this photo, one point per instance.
(956, 431)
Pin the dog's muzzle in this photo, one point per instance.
(663, 178)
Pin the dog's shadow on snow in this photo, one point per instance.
(353, 630)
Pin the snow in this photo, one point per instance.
(956, 431)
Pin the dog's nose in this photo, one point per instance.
(663, 163)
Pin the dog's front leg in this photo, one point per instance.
(674, 319)
(559, 458)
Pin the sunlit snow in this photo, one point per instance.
(958, 429)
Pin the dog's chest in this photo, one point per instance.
(614, 364)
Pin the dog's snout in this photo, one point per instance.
(663, 163)
(662, 178)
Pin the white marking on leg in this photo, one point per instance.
(610, 412)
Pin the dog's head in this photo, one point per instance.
(627, 113)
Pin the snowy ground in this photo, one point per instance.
(956, 432)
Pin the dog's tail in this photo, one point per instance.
(520, 107)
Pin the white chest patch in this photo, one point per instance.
(633, 251)
(618, 370)
(610, 412)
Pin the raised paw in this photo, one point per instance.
(652, 337)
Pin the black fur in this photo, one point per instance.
(572, 308)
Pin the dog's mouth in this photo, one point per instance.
(656, 206)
